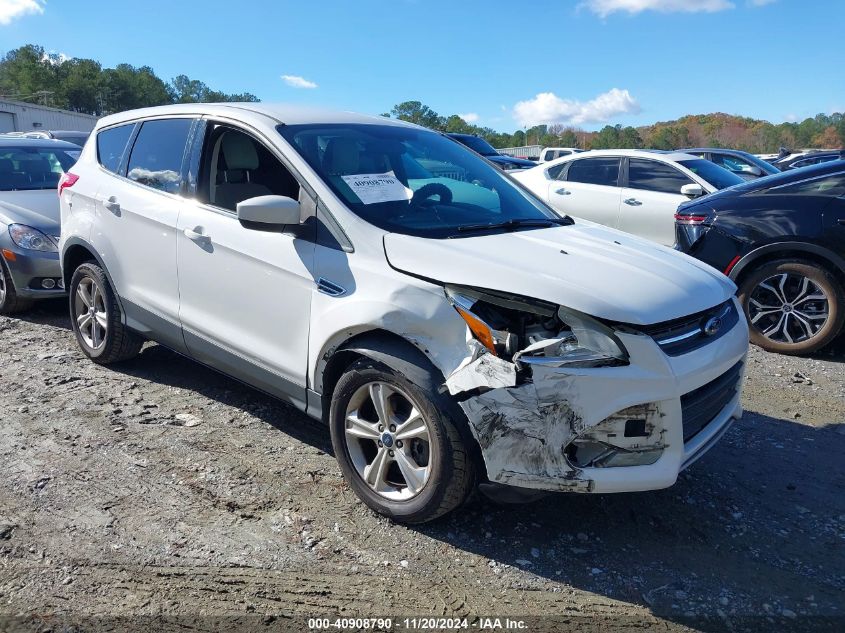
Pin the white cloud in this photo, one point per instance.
(55, 58)
(548, 108)
(604, 8)
(13, 9)
(469, 117)
(295, 81)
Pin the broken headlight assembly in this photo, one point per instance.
(533, 332)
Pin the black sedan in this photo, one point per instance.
(478, 144)
(782, 240)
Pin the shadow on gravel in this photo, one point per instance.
(753, 523)
(163, 366)
(53, 312)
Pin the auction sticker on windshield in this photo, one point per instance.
(375, 188)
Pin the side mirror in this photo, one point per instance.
(692, 190)
(269, 210)
(752, 170)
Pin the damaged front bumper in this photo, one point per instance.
(605, 429)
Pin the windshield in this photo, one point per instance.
(717, 176)
(23, 168)
(416, 182)
(477, 144)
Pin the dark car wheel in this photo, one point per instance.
(10, 302)
(96, 320)
(396, 446)
(793, 307)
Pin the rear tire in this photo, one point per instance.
(10, 302)
(797, 300)
(433, 455)
(96, 319)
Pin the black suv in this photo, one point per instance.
(782, 240)
(478, 144)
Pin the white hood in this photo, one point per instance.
(599, 271)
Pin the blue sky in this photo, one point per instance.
(504, 64)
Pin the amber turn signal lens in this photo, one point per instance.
(480, 329)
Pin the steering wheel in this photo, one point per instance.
(432, 189)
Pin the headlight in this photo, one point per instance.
(588, 343)
(536, 332)
(32, 239)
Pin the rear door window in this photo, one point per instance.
(651, 175)
(595, 171)
(156, 159)
(111, 144)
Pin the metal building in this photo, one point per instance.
(18, 116)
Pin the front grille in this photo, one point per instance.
(680, 336)
(699, 407)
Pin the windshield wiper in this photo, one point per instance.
(516, 224)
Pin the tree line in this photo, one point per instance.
(30, 73)
(824, 131)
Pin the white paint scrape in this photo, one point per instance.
(486, 371)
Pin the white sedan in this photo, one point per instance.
(637, 191)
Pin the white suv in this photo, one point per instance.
(451, 331)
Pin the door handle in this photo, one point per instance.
(633, 202)
(841, 221)
(196, 235)
(111, 204)
(563, 192)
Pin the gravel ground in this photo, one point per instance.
(161, 488)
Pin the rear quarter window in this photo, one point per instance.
(111, 144)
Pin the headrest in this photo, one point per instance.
(239, 151)
(39, 166)
(342, 157)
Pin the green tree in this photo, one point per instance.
(416, 112)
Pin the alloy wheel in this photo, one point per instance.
(90, 313)
(388, 440)
(788, 308)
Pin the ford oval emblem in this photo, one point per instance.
(712, 327)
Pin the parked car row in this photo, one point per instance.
(805, 159)
(780, 236)
(71, 136)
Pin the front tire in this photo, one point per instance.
(396, 446)
(793, 307)
(96, 319)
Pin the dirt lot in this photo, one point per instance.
(161, 488)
